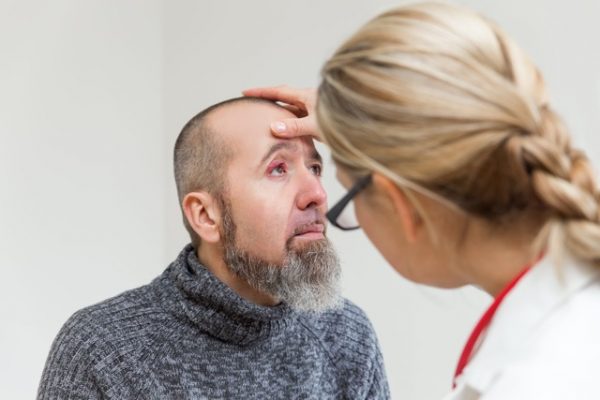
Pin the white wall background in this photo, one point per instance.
(92, 97)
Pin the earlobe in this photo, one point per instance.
(402, 205)
(202, 215)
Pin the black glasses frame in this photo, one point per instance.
(335, 211)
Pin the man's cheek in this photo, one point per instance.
(256, 238)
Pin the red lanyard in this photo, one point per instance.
(484, 323)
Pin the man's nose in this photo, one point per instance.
(311, 192)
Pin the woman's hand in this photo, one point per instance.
(299, 101)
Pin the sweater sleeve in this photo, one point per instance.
(379, 385)
(68, 370)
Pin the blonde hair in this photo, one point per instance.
(441, 101)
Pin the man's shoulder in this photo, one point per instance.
(127, 317)
(104, 337)
(348, 338)
(346, 327)
(347, 315)
(112, 310)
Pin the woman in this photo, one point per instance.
(461, 173)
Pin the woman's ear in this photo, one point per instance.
(202, 213)
(402, 205)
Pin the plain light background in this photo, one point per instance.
(92, 96)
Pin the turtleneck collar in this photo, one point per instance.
(189, 289)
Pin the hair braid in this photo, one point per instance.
(562, 178)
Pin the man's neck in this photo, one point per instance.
(211, 257)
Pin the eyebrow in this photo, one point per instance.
(289, 146)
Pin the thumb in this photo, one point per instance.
(294, 127)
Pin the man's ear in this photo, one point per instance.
(203, 215)
(402, 205)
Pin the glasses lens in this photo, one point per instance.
(347, 219)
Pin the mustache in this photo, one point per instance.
(309, 225)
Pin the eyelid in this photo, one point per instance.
(275, 164)
(280, 158)
(316, 162)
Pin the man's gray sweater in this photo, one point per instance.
(187, 335)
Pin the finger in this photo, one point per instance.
(265, 93)
(260, 91)
(296, 97)
(295, 127)
(298, 112)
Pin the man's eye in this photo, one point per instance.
(317, 169)
(278, 170)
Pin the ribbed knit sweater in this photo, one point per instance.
(187, 335)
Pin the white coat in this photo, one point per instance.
(543, 342)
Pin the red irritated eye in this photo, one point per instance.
(277, 168)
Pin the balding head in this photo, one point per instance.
(202, 153)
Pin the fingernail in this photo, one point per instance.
(279, 127)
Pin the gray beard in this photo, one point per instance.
(307, 280)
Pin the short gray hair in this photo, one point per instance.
(201, 156)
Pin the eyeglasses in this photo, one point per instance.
(342, 215)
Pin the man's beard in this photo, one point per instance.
(307, 280)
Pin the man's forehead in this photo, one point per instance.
(246, 119)
(245, 127)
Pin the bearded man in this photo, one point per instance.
(251, 308)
